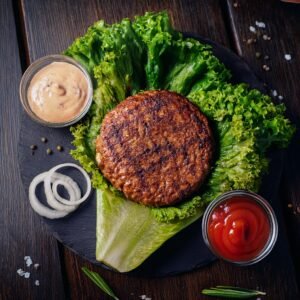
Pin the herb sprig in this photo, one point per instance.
(232, 292)
(99, 281)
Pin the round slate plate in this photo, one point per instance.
(185, 251)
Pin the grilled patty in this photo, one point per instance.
(156, 147)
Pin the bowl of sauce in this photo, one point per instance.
(240, 227)
(56, 91)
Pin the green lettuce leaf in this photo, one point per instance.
(127, 232)
(127, 57)
(155, 30)
(257, 111)
(88, 49)
(192, 62)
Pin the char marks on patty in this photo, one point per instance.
(156, 147)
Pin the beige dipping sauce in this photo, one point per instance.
(58, 92)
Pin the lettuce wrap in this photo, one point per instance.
(147, 53)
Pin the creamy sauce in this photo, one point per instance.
(58, 92)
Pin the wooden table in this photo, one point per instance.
(30, 29)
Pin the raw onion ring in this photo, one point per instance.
(51, 200)
(74, 191)
(47, 183)
(70, 185)
(62, 207)
(37, 206)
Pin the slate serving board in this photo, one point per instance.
(182, 253)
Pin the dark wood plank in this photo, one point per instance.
(21, 230)
(282, 25)
(66, 20)
(53, 33)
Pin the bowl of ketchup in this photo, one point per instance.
(240, 227)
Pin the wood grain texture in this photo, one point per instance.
(66, 20)
(53, 31)
(282, 25)
(21, 231)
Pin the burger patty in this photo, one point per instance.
(156, 147)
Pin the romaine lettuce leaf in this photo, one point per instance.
(127, 232)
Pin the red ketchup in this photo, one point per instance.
(238, 229)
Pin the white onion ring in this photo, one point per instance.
(73, 191)
(37, 206)
(51, 200)
(70, 185)
(47, 183)
(62, 207)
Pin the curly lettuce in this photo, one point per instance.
(156, 32)
(128, 57)
(192, 62)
